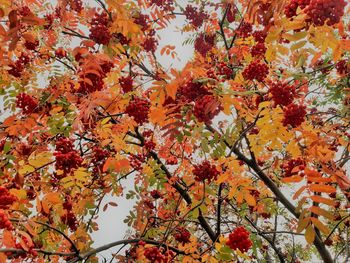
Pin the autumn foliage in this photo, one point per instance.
(241, 154)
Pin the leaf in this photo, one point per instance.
(320, 211)
(320, 199)
(40, 159)
(320, 225)
(310, 234)
(322, 188)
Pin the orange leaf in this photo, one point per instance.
(320, 225)
(310, 234)
(322, 188)
(319, 211)
(292, 179)
(320, 199)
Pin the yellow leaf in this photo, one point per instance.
(40, 159)
(310, 234)
(250, 199)
(26, 169)
(320, 225)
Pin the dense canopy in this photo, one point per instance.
(239, 156)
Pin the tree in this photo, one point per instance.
(240, 156)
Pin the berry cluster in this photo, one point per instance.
(204, 43)
(154, 254)
(259, 36)
(150, 44)
(142, 20)
(258, 50)
(282, 93)
(126, 83)
(122, 39)
(60, 53)
(156, 194)
(5, 223)
(290, 165)
(76, 5)
(205, 171)
(149, 146)
(6, 198)
(70, 219)
(224, 70)
(231, 13)
(239, 239)
(26, 103)
(99, 31)
(98, 158)
(24, 11)
(256, 70)
(206, 108)
(321, 11)
(291, 9)
(31, 45)
(66, 157)
(244, 30)
(182, 235)
(138, 108)
(294, 115)
(343, 67)
(166, 5)
(136, 161)
(195, 17)
(191, 91)
(19, 65)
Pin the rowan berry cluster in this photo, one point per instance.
(156, 194)
(31, 45)
(99, 156)
(26, 103)
(76, 5)
(245, 29)
(19, 65)
(70, 219)
(138, 108)
(195, 16)
(182, 235)
(231, 13)
(204, 43)
(6, 198)
(288, 167)
(321, 11)
(166, 5)
(126, 83)
(67, 158)
(99, 31)
(155, 254)
(239, 239)
(205, 171)
(190, 91)
(258, 50)
(282, 93)
(259, 36)
(343, 67)
(206, 108)
(224, 70)
(150, 44)
(256, 70)
(5, 223)
(291, 9)
(294, 115)
(142, 20)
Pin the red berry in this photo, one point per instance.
(256, 70)
(322, 11)
(239, 239)
(294, 115)
(288, 167)
(205, 171)
(156, 194)
(126, 83)
(291, 9)
(138, 108)
(206, 108)
(182, 235)
(204, 43)
(195, 17)
(258, 50)
(282, 93)
(27, 103)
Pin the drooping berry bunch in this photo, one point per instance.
(126, 83)
(31, 45)
(288, 167)
(322, 11)
(256, 70)
(99, 31)
(156, 194)
(294, 115)
(150, 44)
(166, 5)
(190, 91)
(282, 93)
(260, 36)
(138, 108)
(70, 219)
(182, 235)
(142, 20)
(5, 223)
(244, 30)
(343, 67)
(239, 239)
(258, 50)
(205, 171)
(98, 158)
(231, 13)
(18, 66)
(67, 158)
(26, 103)
(204, 43)
(155, 254)
(206, 108)
(291, 9)
(195, 16)
(76, 5)
(224, 70)
(6, 198)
